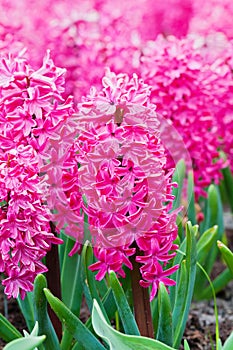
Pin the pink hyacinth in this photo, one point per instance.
(88, 35)
(25, 234)
(121, 184)
(33, 117)
(184, 91)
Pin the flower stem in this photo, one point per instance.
(53, 278)
(141, 302)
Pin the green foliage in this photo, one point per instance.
(126, 315)
(75, 327)
(41, 315)
(117, 340)
(7, 331)
(28, 342)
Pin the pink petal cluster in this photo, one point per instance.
(25, 234)
(85, 36)
(122, 184)
(32, 114)
(212, 16)
(184, 91)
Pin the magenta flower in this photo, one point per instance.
(184, 91)
(121, 184)
(25, 234)
(33, 118)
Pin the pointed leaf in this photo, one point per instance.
(119, 341)
(29, 343)
(73, 324)
(228, 345)
(226, 254)
(186, 346)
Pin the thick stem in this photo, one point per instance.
(141, 302)
(54, 283)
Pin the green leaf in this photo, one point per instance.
(71, 279)
(29, 343)
(204, 246)
(228, 182)
(41, 314)
(119, 341)
(71, 284)
(127, 318)
(191, 211)
(73, 324)
(213, 216)
(27, 309)
(219, 345)
(226, 254)
(219, 283)
(91, 283)
(7, 331)
(178, 177)
(186, 346)
(165, 331)
(205, 242)
(228, 345)
(185, 292)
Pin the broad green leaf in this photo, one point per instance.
(228, 345)
(73, 324)
(29, 343)
(184, 296)
(119, 341)
(165, 331)
(226, 254)
(127, 318)
(7, 331)
(41, 314)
